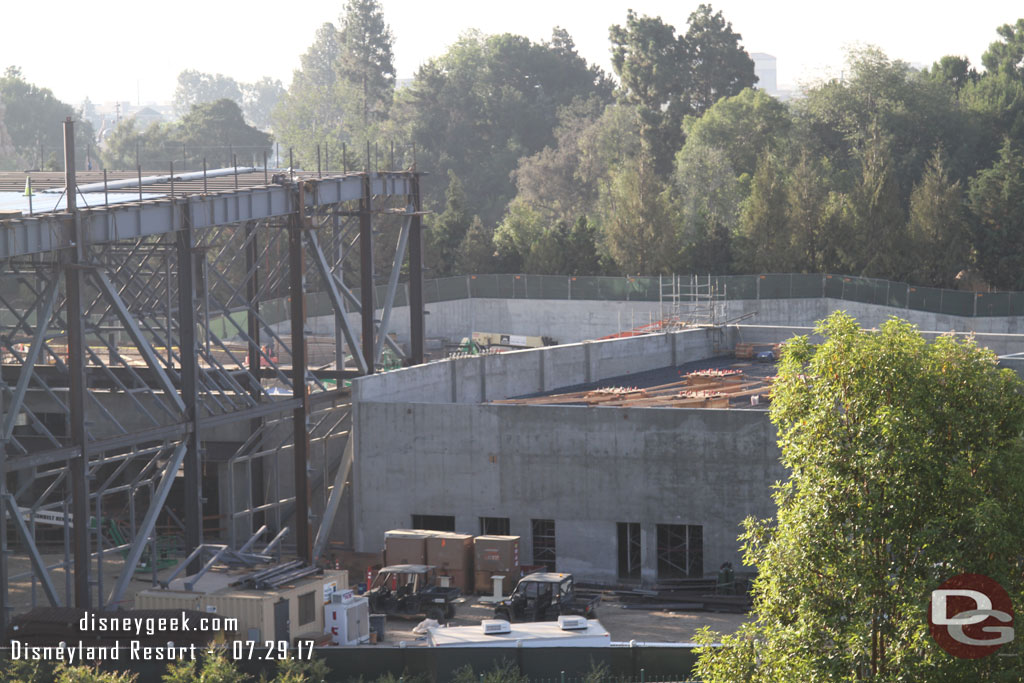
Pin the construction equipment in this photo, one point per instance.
(412, 589)
(545, 596)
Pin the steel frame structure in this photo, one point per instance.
(136, 340)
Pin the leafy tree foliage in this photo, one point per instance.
(216, 131)
(745, 127)
(719, 66)
(636, 216)
(448, 230)
(907, 468)
(937, 230)
(259, 100)
(997, 198)
(764, 227)
(33, 118)
(486, 103)
(365, 63)
(1007, 56)
(476, 250)
(196, 87)
(708, 201)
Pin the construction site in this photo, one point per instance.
(235, 393)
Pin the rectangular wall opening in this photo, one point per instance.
(544, 543)
(494, 526)
(434, 522)
(630, 556)
(680, 551)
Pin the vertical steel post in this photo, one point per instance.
(366, 270)
(252, 288)
(416, 314)
(76, 379)
(188, 350)
(300, 417)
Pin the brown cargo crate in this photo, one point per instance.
(402, 546)
(450, 551)
(496, 553)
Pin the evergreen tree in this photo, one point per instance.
(765, 244)
(365, 63)
(937, 228)
(448, 231)
(476, 250)
(719, 66)
(997, 200)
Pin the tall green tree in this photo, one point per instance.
(636, 219)
(1007, 56)
(259, 100)
(765, 241)
(309, 112)
(34, 118)
(448, 230)
(709, 196)
(744, 126)
(366, 61)
(486, 103)
(812, 214)
(195, 87)
(653, 66)
(997, 200)
(476, 250)
(906, 468)
(719, 66)
(937, 228)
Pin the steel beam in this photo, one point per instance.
(320, 261)
(48, 232)
(389, 297)
(43, 318)
(300, 424)
(141, 343)
(334, 500)
(141, 540)
(38, 566)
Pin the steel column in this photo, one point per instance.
(188, 351)
(416, 312)
(300, 425)
(389, 297)
(38, 566)
(366, 272)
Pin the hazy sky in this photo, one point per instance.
(129, 50)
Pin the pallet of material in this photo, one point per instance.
(750, 349)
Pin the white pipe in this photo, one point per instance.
(154, 179)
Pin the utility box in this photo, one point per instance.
(347, 620)
(405, 546)
(452, 554)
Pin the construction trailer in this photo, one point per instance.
(291, 611)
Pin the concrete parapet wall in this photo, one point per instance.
(517, 373)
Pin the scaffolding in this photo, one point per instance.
(686, 301)
(162, 345)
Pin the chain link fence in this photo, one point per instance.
(726, 287)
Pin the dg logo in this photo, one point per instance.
(971, 616)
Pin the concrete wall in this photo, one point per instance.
(585, 468)
(517, 373)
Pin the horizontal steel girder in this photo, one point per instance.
(99, 225)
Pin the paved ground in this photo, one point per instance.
(623, 624)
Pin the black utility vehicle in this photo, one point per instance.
(545, 596)
(411, 589)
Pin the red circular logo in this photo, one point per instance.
(970, 616)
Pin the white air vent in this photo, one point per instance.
(493, 626)
(572, 623)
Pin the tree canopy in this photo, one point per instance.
(907, 468)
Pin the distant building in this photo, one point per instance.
(145, 117)
(764, 68)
